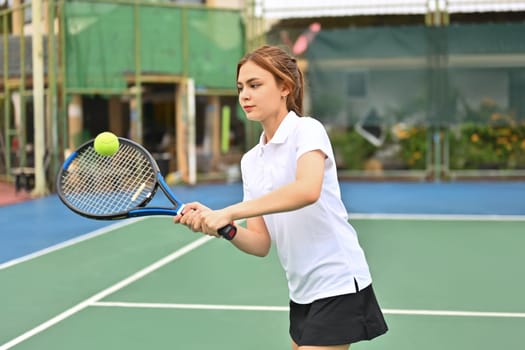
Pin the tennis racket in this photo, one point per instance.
(117, 186)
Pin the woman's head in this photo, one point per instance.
(284, 69)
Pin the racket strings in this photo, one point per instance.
(102, 185)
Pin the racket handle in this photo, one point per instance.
(228, 231)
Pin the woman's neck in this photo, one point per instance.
(270, 125)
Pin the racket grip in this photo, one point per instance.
(228, 231)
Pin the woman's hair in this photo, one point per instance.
(285, 70)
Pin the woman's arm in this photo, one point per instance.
(303, 191)
(254, 239)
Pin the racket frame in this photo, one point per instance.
(139, 210)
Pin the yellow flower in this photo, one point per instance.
(474, 138)
(401, 131)
(502, 141)
(402, 134)
(495, 116)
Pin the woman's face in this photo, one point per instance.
(259, 94)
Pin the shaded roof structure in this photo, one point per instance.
(278, 9)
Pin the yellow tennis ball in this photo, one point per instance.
(106, 144)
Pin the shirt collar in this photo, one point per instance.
(284, 129)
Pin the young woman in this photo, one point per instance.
(292, 197)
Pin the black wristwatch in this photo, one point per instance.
(228, 232)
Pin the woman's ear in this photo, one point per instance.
(285, 91)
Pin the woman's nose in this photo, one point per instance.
(243, 95)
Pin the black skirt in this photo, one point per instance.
(342, 319)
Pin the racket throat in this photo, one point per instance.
(152, 211)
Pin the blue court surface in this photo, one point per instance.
(446, 259)
(30, 226)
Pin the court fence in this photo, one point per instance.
(101, 58)
(421, 101)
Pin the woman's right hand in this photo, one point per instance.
(191, 217)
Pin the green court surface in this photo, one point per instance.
(443, 282)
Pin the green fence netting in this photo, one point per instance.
(103, 39)
(435, 76)
(449, 96)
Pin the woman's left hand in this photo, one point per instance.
(213, 220)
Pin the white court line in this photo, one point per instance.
(455, 313)
(68, 243)
(285, 308)
(79, 307)
(444, 217)
(93, 300)
(189, 306)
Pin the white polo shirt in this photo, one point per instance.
(317, 247)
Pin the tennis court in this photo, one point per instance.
(444, 281)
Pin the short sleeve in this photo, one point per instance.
(311, 135)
